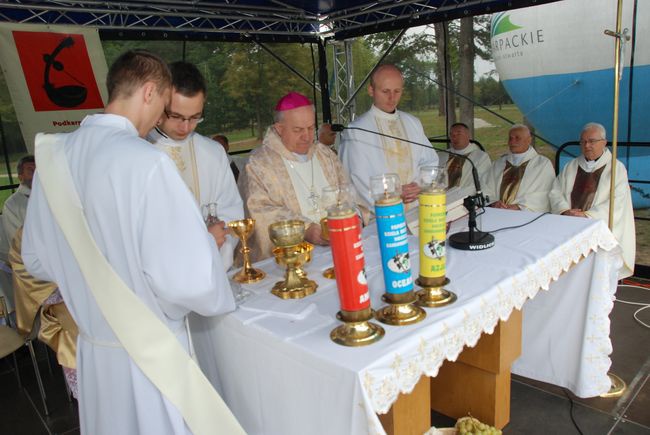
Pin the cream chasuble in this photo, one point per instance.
(269, 191)
(623, 228)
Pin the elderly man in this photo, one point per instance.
(284, 178)
(366, 154)
(459, 172)
(142, 221)
(583, 187)
(202, 162)
(520, 179)
(13, 212)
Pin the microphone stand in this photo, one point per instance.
(472, 240)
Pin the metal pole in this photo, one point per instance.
(617, 78)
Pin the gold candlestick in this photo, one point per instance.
(401, 309)
(243, 229)
(356, 329)
(292, 252)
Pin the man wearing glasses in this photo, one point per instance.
(582, 190)
(202, 162)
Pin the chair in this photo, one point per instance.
(11, 341)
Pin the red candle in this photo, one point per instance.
(349, 264)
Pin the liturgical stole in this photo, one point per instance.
(454, 170)
(511, 180)
(397, 152)
(584, 188)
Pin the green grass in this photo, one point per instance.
(493, 138)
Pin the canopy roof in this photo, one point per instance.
(235, 20)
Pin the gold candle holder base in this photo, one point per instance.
(306, 288)
(329, 273)
(249, 275)
(357, 330)
(401, 310)
(618, 387)
(243, 229)
(295, 284)
(432, 294)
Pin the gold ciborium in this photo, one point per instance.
(325, 235)
(243, 229)
(292, 252)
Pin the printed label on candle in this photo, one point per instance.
(394, 247)
(349, 263)
(433, 213)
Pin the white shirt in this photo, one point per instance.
(144, 221)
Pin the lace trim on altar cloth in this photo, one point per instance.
(381, 387)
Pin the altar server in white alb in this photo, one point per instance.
(459, 171)
(520, 179)
(366, 154)
(144, 221)
(202, 162)
(583, 189)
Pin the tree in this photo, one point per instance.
(490, 92)
(466, 77)
(256, 81)
(447, 105)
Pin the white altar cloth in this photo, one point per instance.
(281, 374)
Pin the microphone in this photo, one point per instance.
(472, 240)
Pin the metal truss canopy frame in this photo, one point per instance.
(244, 20)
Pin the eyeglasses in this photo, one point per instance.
(179, 118)
(590, 141)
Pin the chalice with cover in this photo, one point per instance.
(243, 229)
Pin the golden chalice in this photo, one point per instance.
(243, 229)
(292, 252)
(325, 235)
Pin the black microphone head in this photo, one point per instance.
(337, 127)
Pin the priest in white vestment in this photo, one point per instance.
(147, 226)
(366, 154)
(583, 189)
(202, 162)
(520, 179)
(284, 178)
(459, 170)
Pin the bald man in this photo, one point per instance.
(366, 154)
(520, 179)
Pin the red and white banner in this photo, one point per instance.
(56, 76)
